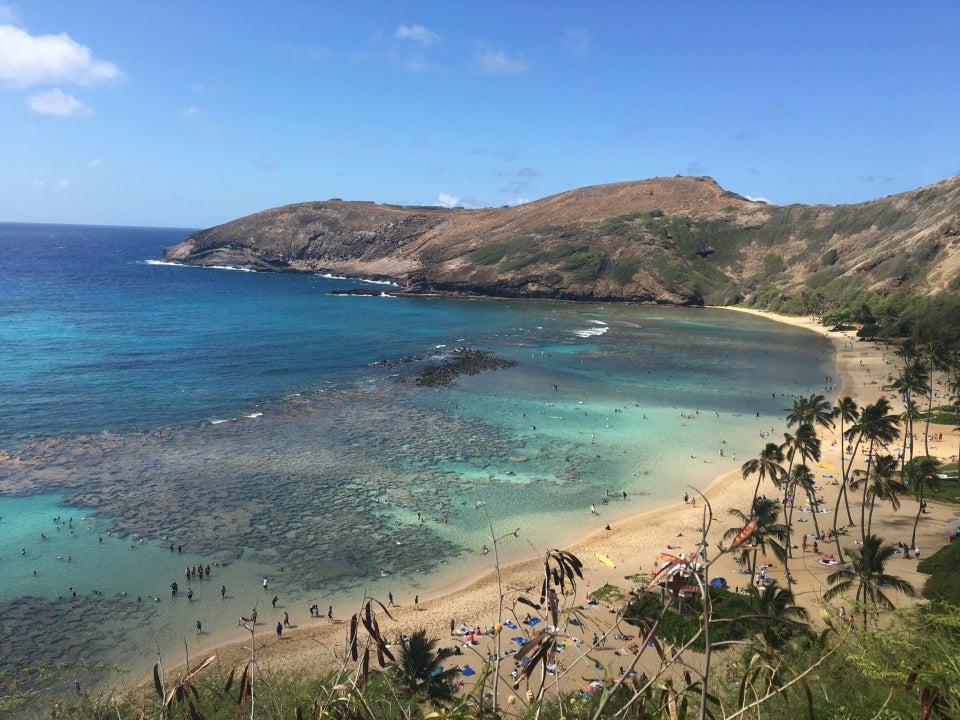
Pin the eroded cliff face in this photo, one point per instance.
(677, 241)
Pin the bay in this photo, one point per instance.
(160, 417)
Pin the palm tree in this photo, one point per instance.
(938, 358)
(911, 381)
(805, 480)
(419, 670)
(867, 569)
(877, 425)
(806, 444)
(767, 465)
(769, 530)
(814, 410)
(921, 472)
(780, 616)
(953, 382)
(848, 412)
(878, 481)
(911, 413)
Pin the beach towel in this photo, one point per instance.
(467, 670)
(519, 640)
(576, 622)
(533, 621)
(511, 624)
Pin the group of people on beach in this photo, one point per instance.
(198, 571)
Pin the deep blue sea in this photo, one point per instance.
(156, 417)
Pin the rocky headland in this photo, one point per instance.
(677, 241)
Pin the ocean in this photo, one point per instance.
(158, 418)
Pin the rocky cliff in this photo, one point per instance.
(680, 240)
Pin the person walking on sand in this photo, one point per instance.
(330, 613)
(390, 598)
(279, 630)
(416, 602)
(286, 619)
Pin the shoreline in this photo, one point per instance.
(633, 544)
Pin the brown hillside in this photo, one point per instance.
(677, 240)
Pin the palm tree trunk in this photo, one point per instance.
(814, 509)
(916, 520)
(926, 430)
(846, 479)
(789, 489)
(841, 494)
(866, 485)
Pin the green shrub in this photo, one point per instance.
(488, 254)
(623, 269)
(773, 264)
(585, 267)
(564, 249)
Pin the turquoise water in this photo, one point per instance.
(269, 429)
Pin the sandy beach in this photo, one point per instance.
(313, 644)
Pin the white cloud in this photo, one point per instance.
(27, 60)
(448, 201)
(57, 103)
(518, 201)
(490, 61)
(417, 33)
(37, 182)
(95, 164)
(63, 182)
(757, 199)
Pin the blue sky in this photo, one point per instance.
(190, 114)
